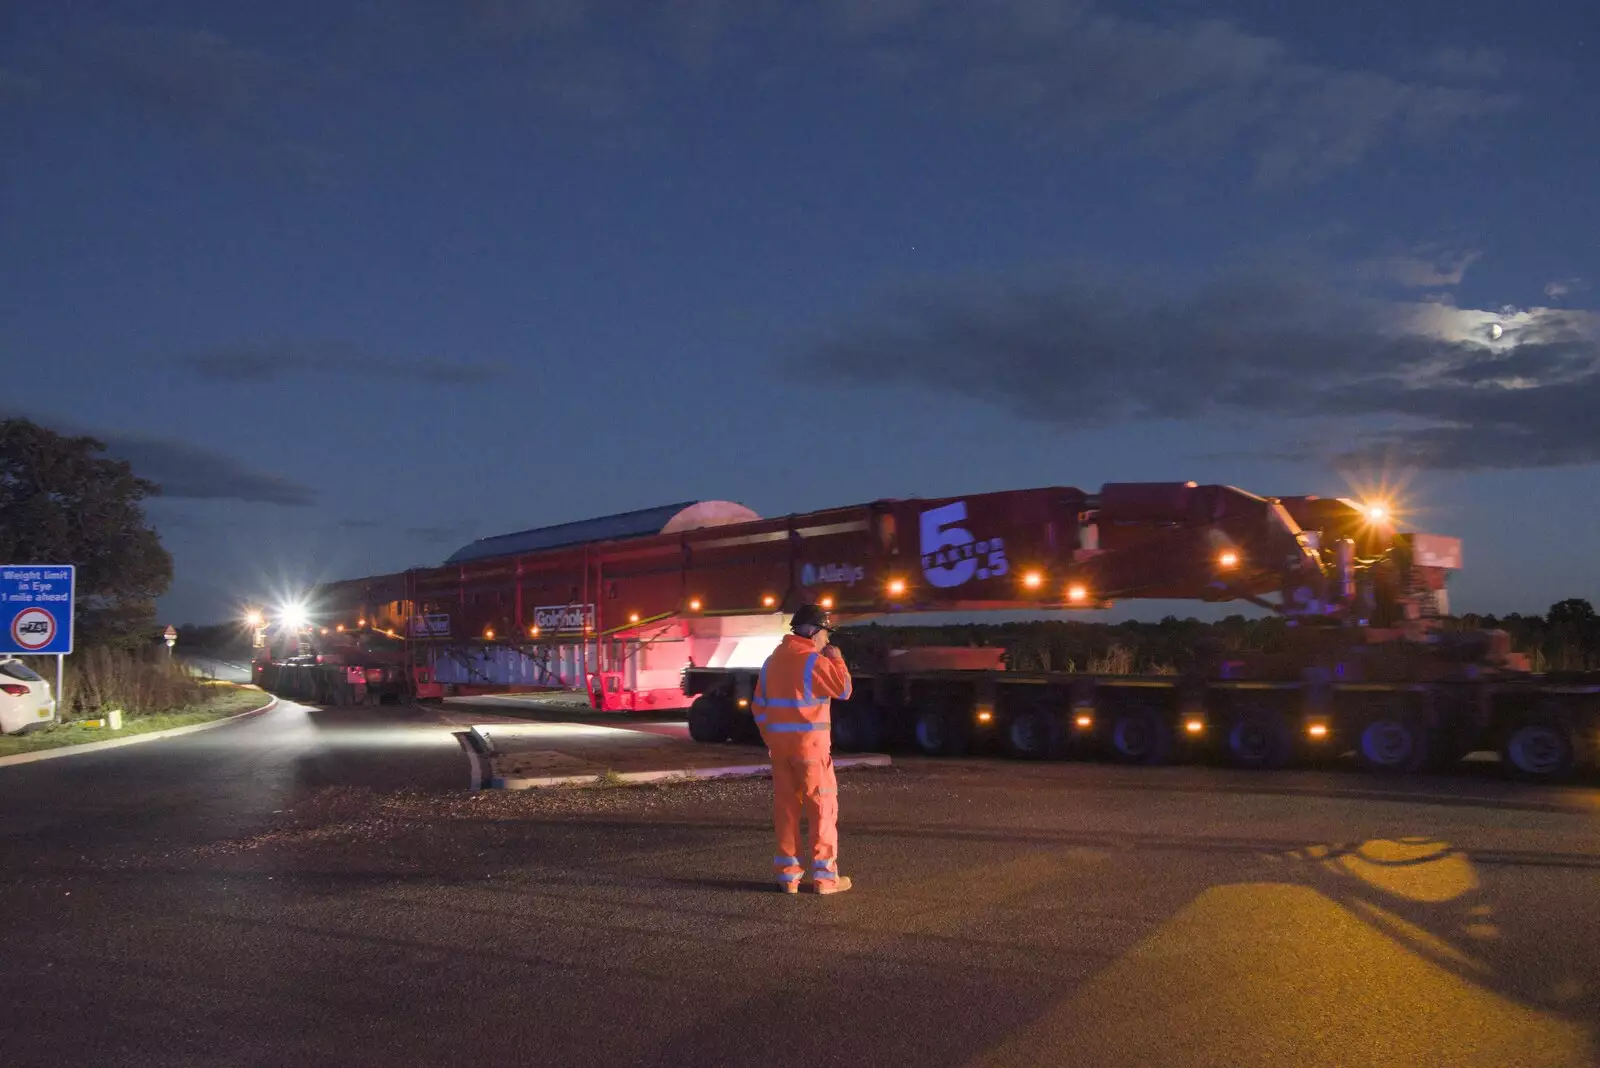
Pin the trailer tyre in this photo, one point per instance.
(1258, 738)
(1394, 745)
(1538, 748)
(941, 731)
(710, 719)
(1032, 734)
(1140, 735)
(857, 728)
(744, 730)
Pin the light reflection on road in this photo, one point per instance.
(1311, 975)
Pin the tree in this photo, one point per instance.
(1574, 634)
(61, 502)
(1573, 612)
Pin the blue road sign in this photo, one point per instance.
(36, 608)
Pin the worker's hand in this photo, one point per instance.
(832, 652)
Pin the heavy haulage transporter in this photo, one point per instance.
(677, 607)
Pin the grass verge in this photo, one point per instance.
(222, 699)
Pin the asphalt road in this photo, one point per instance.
(316, 888)
(216, 668)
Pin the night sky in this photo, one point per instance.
(359, 282)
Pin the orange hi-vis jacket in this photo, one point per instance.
(792, 697)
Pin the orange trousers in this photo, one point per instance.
(803, 784)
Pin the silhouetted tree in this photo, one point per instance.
(61, 502)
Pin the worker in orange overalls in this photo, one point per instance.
(798, 682)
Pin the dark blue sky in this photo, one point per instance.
(360, 282)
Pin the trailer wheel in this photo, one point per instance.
(1394, 744)
(710, 719)
(857, 728)
(1031, 734)
(1140, 735)
(942, 731)
(1258, 738)
(1538, 748)
(744, 730)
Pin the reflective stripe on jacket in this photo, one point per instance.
(797, 683)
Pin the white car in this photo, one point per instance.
(25, 699)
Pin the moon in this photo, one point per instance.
(1495, 330)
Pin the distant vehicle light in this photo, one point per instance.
(1033, 580)
(340, 628)
(769, 601)
(1077, 594)
(361, 622)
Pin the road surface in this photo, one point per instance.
(315, 888)
(213, 667)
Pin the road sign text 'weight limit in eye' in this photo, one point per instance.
(36, 602)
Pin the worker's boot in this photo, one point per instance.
(837, 885)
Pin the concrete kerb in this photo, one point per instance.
(480, 753)
(132, 739)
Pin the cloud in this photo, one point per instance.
(186, 470)
(242, 104)
(1416, 270)
(1465, 64)
(183, 469)
(1562, 288)
(1421, 383)
(261, 363)
(1180, 88)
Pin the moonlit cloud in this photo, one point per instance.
(1091, 351)
(1562, 288)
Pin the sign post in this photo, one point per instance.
(36, 617)
(171, 636)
